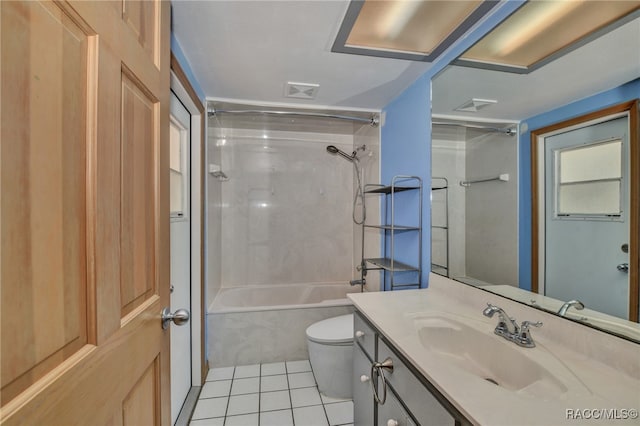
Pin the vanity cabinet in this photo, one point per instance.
(410, 399)
(363, 407)
(364, 352)
(392, 413)
(422, 404)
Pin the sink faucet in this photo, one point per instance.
(508, 328)
(565, 307)
(506, 323)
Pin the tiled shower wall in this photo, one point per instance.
(284, 215)
(492, 208)
(213, 216)
(448, 161)
(483, 217)
(370, 164)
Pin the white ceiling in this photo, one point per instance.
(600, 65)
(248, 50)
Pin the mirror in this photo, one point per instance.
(482, 212)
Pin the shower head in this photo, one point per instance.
(332, 149)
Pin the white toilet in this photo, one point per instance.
(330, 345)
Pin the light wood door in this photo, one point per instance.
(84, 212)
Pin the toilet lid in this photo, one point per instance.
(332, 330)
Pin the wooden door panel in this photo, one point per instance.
(139, 142)
(85, 235)
(91, 386)
(44, 250)
(142, 19)
(139, 407)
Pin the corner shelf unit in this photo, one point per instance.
(389, 265)
(440, 184)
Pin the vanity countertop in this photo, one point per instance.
(607, 379)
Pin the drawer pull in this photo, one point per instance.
(359, 334)
(392, 422)
(364, 378)
(377, 369)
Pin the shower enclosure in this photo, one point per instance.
(285, 214)
(282, 224)
(475, 219)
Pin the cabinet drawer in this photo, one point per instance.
(363, 407)
(364, 335)
(393, 414)
(425, 407)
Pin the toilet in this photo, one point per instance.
(330, 344)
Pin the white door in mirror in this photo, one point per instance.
(587, 216)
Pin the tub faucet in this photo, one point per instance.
(565, 306)
(358, 282)
(508, 328)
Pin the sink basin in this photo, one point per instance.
(486, 356)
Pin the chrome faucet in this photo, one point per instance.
(508, 328)
(358, 282)
(506, 323)
(565, 307)
(362, 268)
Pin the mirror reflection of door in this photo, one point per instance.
(587, 216)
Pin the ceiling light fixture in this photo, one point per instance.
(397, 17)
(407, 29)
(544, 16)
(542, 31)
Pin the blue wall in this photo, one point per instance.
(406, 137)
(406, 150)
(186, 67)
(618, 95)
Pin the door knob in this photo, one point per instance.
(179, 317)
(623, 267)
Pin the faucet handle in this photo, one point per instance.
(526, 324)
(524, 337)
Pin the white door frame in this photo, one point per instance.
(196, 226)
(540, 145)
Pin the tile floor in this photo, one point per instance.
(277, 394)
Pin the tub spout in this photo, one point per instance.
(358, 282)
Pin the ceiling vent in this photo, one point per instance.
(475, 105)
(301, 90)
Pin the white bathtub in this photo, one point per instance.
(262, 324)
(283, 296)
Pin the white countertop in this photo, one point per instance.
(592, 384)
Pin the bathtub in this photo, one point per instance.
(262, 324)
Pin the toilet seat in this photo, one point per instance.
(332, 331)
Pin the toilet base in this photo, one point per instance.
(333, 368)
